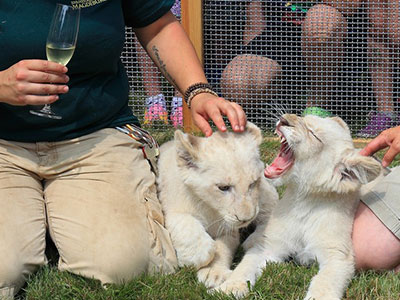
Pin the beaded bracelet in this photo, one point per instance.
(195, 89)
(200, 91)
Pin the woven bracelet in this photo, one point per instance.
(200, 91)
(196, 89)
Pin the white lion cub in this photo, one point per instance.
(209, 188)
(313, 220)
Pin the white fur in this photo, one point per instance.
(313, 220)
(209, 188)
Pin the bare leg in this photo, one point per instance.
(254, 21)
(219, 270)
(346, 7)
(249, 77)
(379, 48)
(394, 30)
(394, 23)
(323, 32)
(375, 247)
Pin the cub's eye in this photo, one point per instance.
(314, 135)
(254, 184)
(224, 188)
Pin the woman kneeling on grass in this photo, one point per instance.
(79, 177)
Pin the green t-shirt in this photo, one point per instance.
(98, 86)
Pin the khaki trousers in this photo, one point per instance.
(95, 195)
(382, 197)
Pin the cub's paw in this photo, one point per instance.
(320, 296)
(205, 253)
(198, 255)
(213, 276)
(322, 288)
(238, 288)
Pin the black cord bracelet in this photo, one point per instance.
(196, 89)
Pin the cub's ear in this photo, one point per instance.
(356, 169)
(342, 123)
(255, 131)
(186, 146)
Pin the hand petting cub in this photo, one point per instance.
(209, 188)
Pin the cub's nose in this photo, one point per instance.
(244, 221)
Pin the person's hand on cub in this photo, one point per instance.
(33, 82)
(206, 106)
(387, 138)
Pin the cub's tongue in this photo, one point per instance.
(281, 163)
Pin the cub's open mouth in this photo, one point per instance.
(285, 158)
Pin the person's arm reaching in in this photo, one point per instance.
(389, 138)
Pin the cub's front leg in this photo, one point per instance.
(262, 248)
(219, 270)
(193, 245)
(248, 270)
(336, 271)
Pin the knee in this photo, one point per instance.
(116, 262)
(322, 25)
(375, 247)
(374, 257)
(12, 277)
(235, 76)
(120, 267)
(365, 260)
(247, 74)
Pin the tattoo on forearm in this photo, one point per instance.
(163, 66)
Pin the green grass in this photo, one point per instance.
(285, 281)
(279, 281)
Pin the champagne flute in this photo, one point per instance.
(60, 44)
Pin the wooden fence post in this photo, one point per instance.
(192, 22)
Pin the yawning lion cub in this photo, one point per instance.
(313, 221)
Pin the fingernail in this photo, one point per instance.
(223, 128)
(242, 128)
(66, 88)
(237, 128)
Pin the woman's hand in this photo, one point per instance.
(205, 106)
(388, 138)
(33, 82)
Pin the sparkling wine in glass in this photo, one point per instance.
(60, 44)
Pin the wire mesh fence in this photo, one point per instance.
(273, 56)
(153, 100)
(151, 95)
